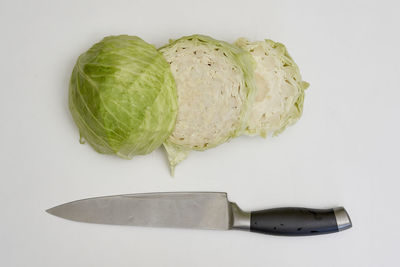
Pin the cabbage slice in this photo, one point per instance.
(215, 88)
(280, 88)
(122, 97)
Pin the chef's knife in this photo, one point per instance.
(201, 210)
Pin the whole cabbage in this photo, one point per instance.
(122, 97)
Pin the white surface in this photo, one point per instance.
(344, 150)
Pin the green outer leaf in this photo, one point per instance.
(122, 96)
(176, 154)
(244, 61)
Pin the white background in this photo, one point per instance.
(343, 151)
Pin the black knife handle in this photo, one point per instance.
(299, 221)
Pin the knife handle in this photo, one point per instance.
(299, 221)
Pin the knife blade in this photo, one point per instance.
(201, 210)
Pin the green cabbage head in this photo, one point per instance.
(122, 97)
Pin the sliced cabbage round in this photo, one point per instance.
(122, 96)
(280, 89)
(215, 87)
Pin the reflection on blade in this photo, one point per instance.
(179, 210)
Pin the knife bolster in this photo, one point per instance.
(239, 219)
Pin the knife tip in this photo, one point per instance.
(50, 211)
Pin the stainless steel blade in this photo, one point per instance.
(201, 210)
